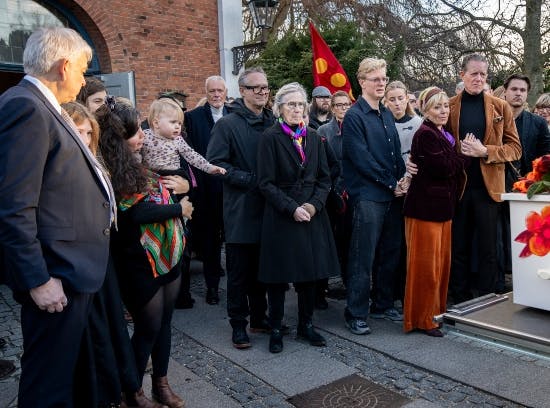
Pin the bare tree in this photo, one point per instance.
(429, 37)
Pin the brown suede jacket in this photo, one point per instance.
(501, 139)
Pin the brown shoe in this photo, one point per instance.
(163, 393)
(138, 399)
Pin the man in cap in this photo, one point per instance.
(319, 113)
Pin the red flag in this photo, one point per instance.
(327, 71)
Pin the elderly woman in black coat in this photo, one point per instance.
(296, 242)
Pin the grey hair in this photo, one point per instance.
(285, 90)
(472, 57)
(247, 72)
(46, 46)
(213, 78)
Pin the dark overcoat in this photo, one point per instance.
(294, 251)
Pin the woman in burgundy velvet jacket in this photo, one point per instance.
(429, 207)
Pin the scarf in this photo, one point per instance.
(297, 138)
(448, 136)
(163, 241)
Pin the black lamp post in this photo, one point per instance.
(263, 14)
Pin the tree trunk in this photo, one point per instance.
(533, 58)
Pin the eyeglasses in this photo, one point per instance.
(257, 89)
(294, 105)
(382, 80)
(342, 105)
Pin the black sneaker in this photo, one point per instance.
(240, 338)
(275, 341)
(307, 332)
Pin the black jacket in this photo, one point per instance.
(233, 146)
(534, 136)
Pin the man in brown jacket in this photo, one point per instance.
(485, 131)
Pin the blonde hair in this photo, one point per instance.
(430, 97)
(162, 105)
(79, 113)
(543, 100)
(400, 85)
(369, 65)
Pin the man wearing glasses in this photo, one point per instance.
(233, 146)
(373, 169)
(319, 113)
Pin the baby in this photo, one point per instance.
(163, 144)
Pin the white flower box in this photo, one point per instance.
(531, 275)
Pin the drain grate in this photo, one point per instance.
(353, 391)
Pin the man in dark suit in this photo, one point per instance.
(207, 224)
(55, 214)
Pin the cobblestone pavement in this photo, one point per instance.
(249, 391)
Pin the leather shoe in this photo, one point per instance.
(435, 332)
(161, 391)
(240, 338)
(212, 297)
(6, 368)
(275, 341)
(307, 332)
(139, 400)
(321, 303)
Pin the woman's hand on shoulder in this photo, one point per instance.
(186, 207)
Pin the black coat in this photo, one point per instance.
(535, 140)
(233, 146)
(294, 251)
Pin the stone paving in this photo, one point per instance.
(243, 387)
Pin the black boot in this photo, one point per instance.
(275, 341)
(307, 332)
(212, 297)
(240, 338)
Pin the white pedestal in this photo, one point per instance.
(530, 289)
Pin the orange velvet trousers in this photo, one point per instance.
(428, 270)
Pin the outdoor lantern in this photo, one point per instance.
(263, 12)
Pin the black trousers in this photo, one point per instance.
(476, 216)
(51, 346)
(207, 232)
(306, 302)
(245, 295)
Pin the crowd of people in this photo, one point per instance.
(398, 193)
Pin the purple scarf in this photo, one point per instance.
(297, 137)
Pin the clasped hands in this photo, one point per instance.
(472, 146)
(304, 213)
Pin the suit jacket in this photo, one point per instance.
(501, 139)
(198, 125)
(535, 140)
(54, 211)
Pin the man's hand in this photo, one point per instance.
(177, 184)
(50, 296)
(472, 146)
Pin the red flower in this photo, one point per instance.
(522, 185)
(542, 164)
(537, 235)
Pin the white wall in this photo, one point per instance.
(231, 35)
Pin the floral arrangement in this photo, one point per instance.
(537, 235)
(536, 181)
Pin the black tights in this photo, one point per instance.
(152, 330)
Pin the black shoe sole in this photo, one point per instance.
(242, 346)
(311, 342)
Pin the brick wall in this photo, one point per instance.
(169, 44)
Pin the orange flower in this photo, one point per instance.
(534, 176)
(537, 235)
(542, 164)
(522, 185)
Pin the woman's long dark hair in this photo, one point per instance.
(119, 121)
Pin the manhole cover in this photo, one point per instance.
(348, 392)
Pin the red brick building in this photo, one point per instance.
(167, 44)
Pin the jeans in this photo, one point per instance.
(374, 251)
